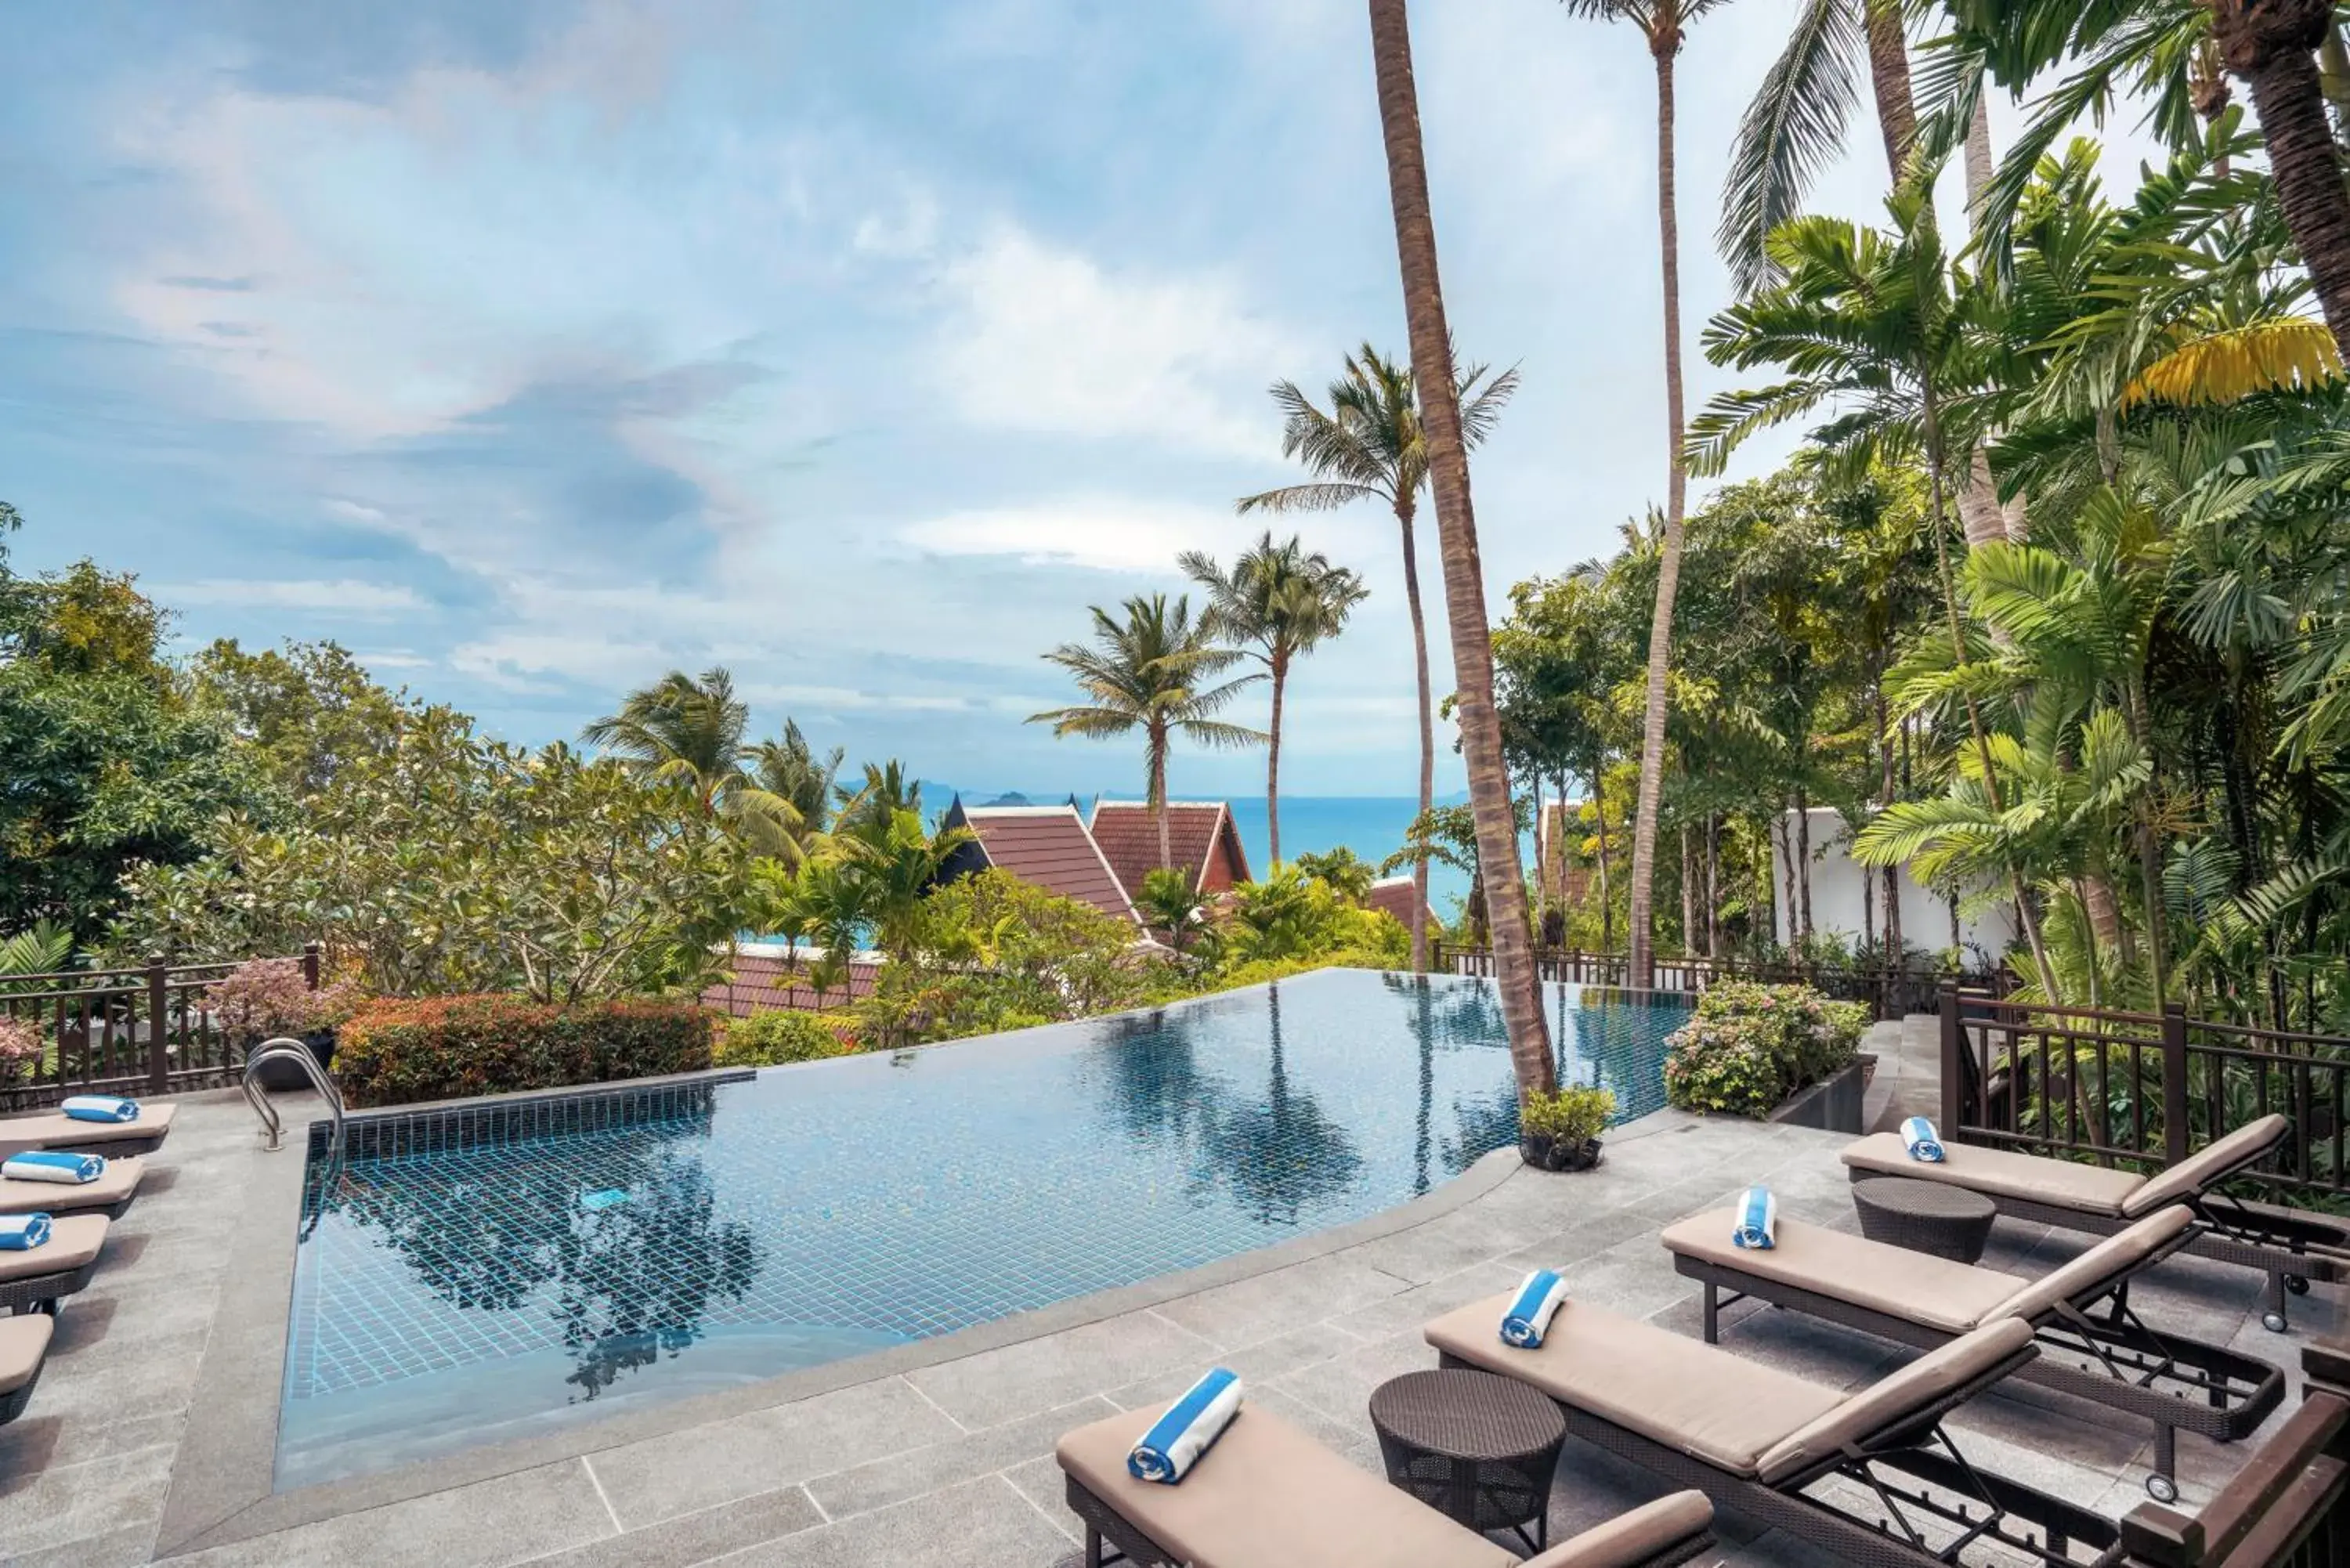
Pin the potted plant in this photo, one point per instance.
(269, 998)
(1561, 1131)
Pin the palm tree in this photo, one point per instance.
(1662, 23)
(1286, 602)
(1169, 901)
(1346, 873)
(1372, 446)
(1448, 439)
(1152, 673)
(680, 730)
(789, 767)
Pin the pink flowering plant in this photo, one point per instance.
(21, 1048)
(265, 997)
(1751, 1046)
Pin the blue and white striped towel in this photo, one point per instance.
(23, 1232)
(1758, 1219)
(1917, 1135)
(1537, 1302)
(99, 1108)
(53, 1165)
(1189, 1428)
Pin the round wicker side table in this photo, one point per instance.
(1477, 1448)
(1924, 1215)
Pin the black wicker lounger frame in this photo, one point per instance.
(41, 1293)
(1920, 1481)
(2094, 1347)
(13, 1403)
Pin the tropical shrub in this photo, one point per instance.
(774, 1036)
(265, 997)
(21, 1047)
(1751, 1046)
(1572, 1117)
(1291, 915)
(395, 1052)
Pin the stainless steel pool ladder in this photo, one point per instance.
(285, 1049)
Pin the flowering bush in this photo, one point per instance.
(262, 998)
(21, 1047)
(1751, 1046)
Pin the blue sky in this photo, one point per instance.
(532, 349)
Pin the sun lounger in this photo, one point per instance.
(2091, 1342)
(2291, 1246)
(1872, 1476)
(1269, 1496)
(24, 1346)
(109, 1195)
(36, 1279)
(53, 1130)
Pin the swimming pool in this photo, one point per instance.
(481, 1275)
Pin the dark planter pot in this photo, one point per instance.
(285, 1077)
(1549, 1154)
(1832, 1105)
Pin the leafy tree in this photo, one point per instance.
(1154, 673)
(305, 713)
(1286, 601)
(1347, 873)
(1372, 445)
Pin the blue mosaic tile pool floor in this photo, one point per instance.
(448, 1297)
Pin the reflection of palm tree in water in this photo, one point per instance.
(626, 1281)
(1460, 1013)
(1423, 1030)
(1283, 1153)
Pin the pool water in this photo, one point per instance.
(487, 1290)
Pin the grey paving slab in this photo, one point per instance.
(697, 1537)
(1256, 1309)
(999, 1385)
(982, 1524)
(486, 1525)
(879, 1484)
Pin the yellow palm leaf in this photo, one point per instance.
(2281, 352)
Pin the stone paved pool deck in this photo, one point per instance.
(940, 1456)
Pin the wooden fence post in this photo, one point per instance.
(159, 1052)
(1954, 1040)
(2174, 1082)
(310, 964)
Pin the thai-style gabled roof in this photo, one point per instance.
(1047, 846)
(1392, 895)
(1130, 839)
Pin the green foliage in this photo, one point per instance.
(1290, 915)
(1170, 903)
(399, 1051)
(1003, 954)
(1751, 1046)
(306, 714)
(1572, 1115)
(1347, 873)
(775, 1035)
(689, 732)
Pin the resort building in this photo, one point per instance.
(1392, 895)
(1046, 845)
(1203, 841)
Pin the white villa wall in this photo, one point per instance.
(1836, 897)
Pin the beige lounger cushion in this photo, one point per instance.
(2216, 1161)
(73, 1243)
(1995, 1172)
(117, 1182)
(24, 1340)
(2098, 1267)
(1916, 1287)
(1886, 1400)
(1633, 1537)
(57, 1130)
(1687, 1395)
(1268, 1495)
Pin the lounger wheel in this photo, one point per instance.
(2162, 1488)
(2297, 1284)
(2274, 1321)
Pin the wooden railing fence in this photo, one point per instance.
(1889, 990)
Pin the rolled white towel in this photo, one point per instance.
(1758, 1219)
(1917, 1135)
(99, 1108)
(1529, 1314)
(1188, 1428)
(54, 1165)
(23, 1232)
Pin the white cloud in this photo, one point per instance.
(344, 596)
(909, 231)
(1045, 339)
(1109, 534)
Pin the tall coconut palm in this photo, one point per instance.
(789, 767)
(1372, 446)
(1662, 25)
(1154, 671)
(681, 729)
(1285, 600)
(1456, 527)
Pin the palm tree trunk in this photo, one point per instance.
(1427, 730)
(1886, 783)
(1606, 894)
(1888, 77)
(1456, 525)
(1280, 663)
(1158, 795)
(1642, 969)
(2269, 42)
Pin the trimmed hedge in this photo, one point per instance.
(1751, 1046)
(397, 1051)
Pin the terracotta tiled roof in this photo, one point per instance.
(1393, 896)
(1128, 837)
(1048, 846)
(761, 981)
